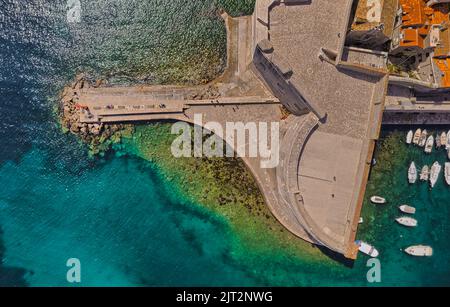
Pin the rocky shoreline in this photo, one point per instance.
(98, 137)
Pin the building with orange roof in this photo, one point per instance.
(423, 31)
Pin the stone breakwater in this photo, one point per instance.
(98, 137)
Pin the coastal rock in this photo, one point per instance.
(74, 128)
(99, 137)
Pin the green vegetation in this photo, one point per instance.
(391, 156)
(394, 69)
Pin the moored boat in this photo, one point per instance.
(425, 173)
(407, 209)
(417, 135)
(407, 221)
(434, 174)
(409, 137)
(448, 153)
(367, 249)
(429, 144)
(447, 172)
(378, 200)
(420, 251)
(443, 139)
(423, 138)
(412, 173)
(447, 142)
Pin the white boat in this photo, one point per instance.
(447, 142)
(429, 144)
(443, 139)
(420, 251)
(367, 249)
(448, 153)
(412, 173)
(438, 141)
(407, 209)
(417, 135)
(425, 173)
(361, 220)
(378, 200)
(409, 137)
(407, 221)
(423, 138)
(447, 172)
(434, 174)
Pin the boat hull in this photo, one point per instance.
(447, 173)
(378, 200)
(407, 221)
(409, 137)
(434, 175)
(419, 251)
(407, 209)
(367, 249)
(417, 135)
(412, 173)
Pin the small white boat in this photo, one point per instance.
(447, 172)
(423, 138)
(361, 220)
(443, 139)
(425, 173)
(367, 249)
(409, 137)
(407, 209)
(412, 173)
(407, 221)
(420, 251)
(438, 141)
(434, 174)
(417, 135)
(429, 144)
(448, 154)
(378, 200)
(447, 142)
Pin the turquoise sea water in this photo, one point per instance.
(126, 224)
(117, 218)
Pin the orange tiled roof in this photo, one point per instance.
(412, 38)
(444, 67)
(413, 12)
(440, 14)
(417, 21)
